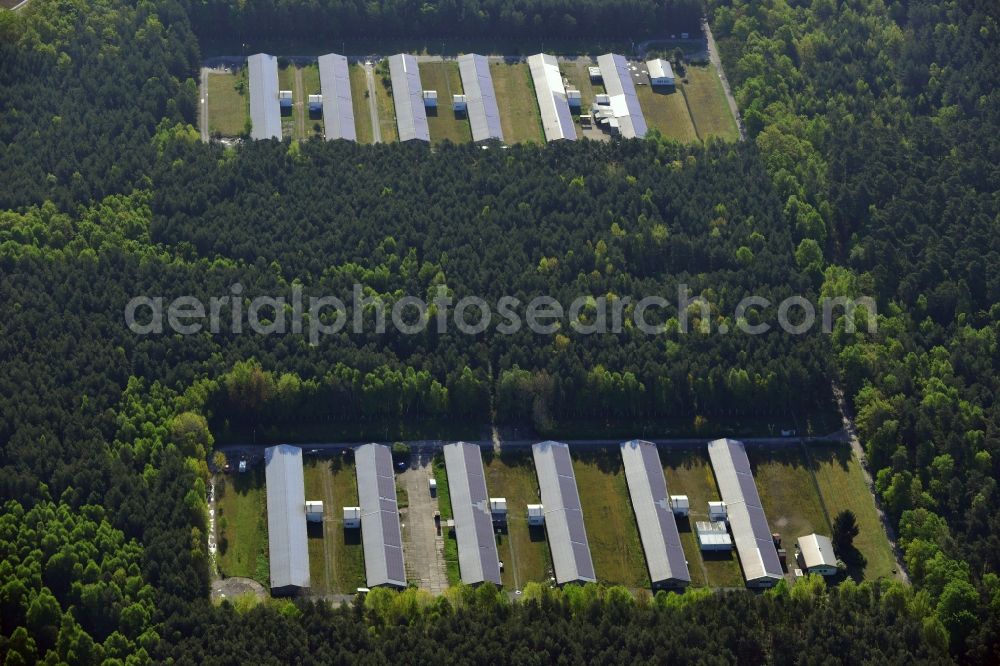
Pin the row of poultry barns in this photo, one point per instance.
(737, 520)
(617, 111)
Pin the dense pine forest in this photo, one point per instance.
(872, 167)
(259, 20)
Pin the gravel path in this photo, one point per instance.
(423, 547)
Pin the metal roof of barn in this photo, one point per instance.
(651, 503)
(286, 517)
(470, 503)
(563, 513)
(481, 100)
(338, 111)
(758, 556)
(265, 111)
(381, 536)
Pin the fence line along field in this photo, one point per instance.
(445, 78)
(228, 103)
(520, 119)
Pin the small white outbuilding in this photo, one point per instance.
(314, 511)
(498, 509)
(713, 536)
(717, 511)
(536, 514)
(352, 517)
(680, 505)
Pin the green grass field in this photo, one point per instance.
(523, 550)
(344, 568)
(386, 108)
(241, 504)
(788, 493)
(315, 474)
(706, 101)
(451, 565)
(689, 472)
(445, 78)
(667, 112)
(228, 109)
(607, 514)
(519, 116)
(311, 86)
(842, 486)
(286, 81)
(359, 101)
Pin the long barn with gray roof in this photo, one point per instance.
(481, 99)
(758, 555)
(265, 110)
(563, 513)
(381, 536)
(286, 519)
(338, 111)
(477, 546)
(657, 526)
(557, 121)
(408, 98)
(621, 91)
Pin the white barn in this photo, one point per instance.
(751, 534)
(816, 553)
(660, 72)
(286, 519)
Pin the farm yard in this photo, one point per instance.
(801, 489)
(695, 110)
